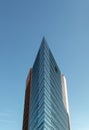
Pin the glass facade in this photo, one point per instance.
(47, 108)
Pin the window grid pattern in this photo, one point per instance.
(47, 111)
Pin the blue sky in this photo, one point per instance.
(65, 25)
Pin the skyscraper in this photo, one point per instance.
(46, 100)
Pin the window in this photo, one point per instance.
(56, 69)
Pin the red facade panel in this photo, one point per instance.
(27, 101)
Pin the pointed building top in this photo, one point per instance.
(44, 42)
(43, 39)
